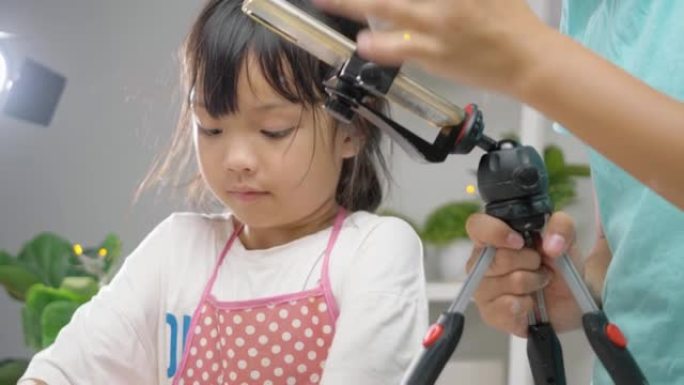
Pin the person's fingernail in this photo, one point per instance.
(363, 41)
(515, 241)
(554, 244)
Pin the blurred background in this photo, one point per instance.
(115, 69)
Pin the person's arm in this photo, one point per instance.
(630, 123)
(383, 308)
(503, 46)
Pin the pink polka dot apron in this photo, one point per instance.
(274, 340)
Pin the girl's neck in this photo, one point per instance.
(263, 238)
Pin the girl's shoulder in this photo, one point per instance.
(365, 219)
(183, 239)
(190, 229)
(192, 222)
(376, 253)
(366, 225)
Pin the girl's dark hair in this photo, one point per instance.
(213, 56)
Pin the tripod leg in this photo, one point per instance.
(604, 337)
(443, 336)
(543, 347)
(544, 350)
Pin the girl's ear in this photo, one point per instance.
(352, 141)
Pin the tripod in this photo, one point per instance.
(513, 183)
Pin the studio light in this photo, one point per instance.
(29, 90)
(5, 81)
(3, 71)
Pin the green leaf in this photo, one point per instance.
(12, 370)
(447, 223)
(54, 317)
(554, 160)
(83, 288)
(31, 326)
(6, 258)
(112, 244)
(37, 298)
(578, 170)
(47, 256)
(562, 194)
(17, 280)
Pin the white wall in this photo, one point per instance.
(77, 176)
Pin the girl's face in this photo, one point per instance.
(273, 163)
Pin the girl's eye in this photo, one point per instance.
(209, 131)
(280, 134)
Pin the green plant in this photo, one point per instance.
(11, 371)
(562, 177)
(447, 222)
(53, 278)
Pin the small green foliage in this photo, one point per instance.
(12, 370)
(447, 223)
(54, 317)
(562, 177)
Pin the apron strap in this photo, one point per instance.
(219, 262)
(325, 278)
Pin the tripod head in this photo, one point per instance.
(514, 184)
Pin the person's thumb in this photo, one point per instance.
(559, 234)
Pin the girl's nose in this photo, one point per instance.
(239, 158)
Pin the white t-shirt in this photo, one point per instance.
(133, 331)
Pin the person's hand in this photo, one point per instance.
(488, 43)
(506, 293)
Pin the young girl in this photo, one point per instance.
(300, 283)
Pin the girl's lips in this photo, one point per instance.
(247, 196)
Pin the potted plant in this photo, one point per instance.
(446, 239)
(52, 278)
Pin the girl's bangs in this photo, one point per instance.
(229, 42)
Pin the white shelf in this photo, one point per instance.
(443, 291)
